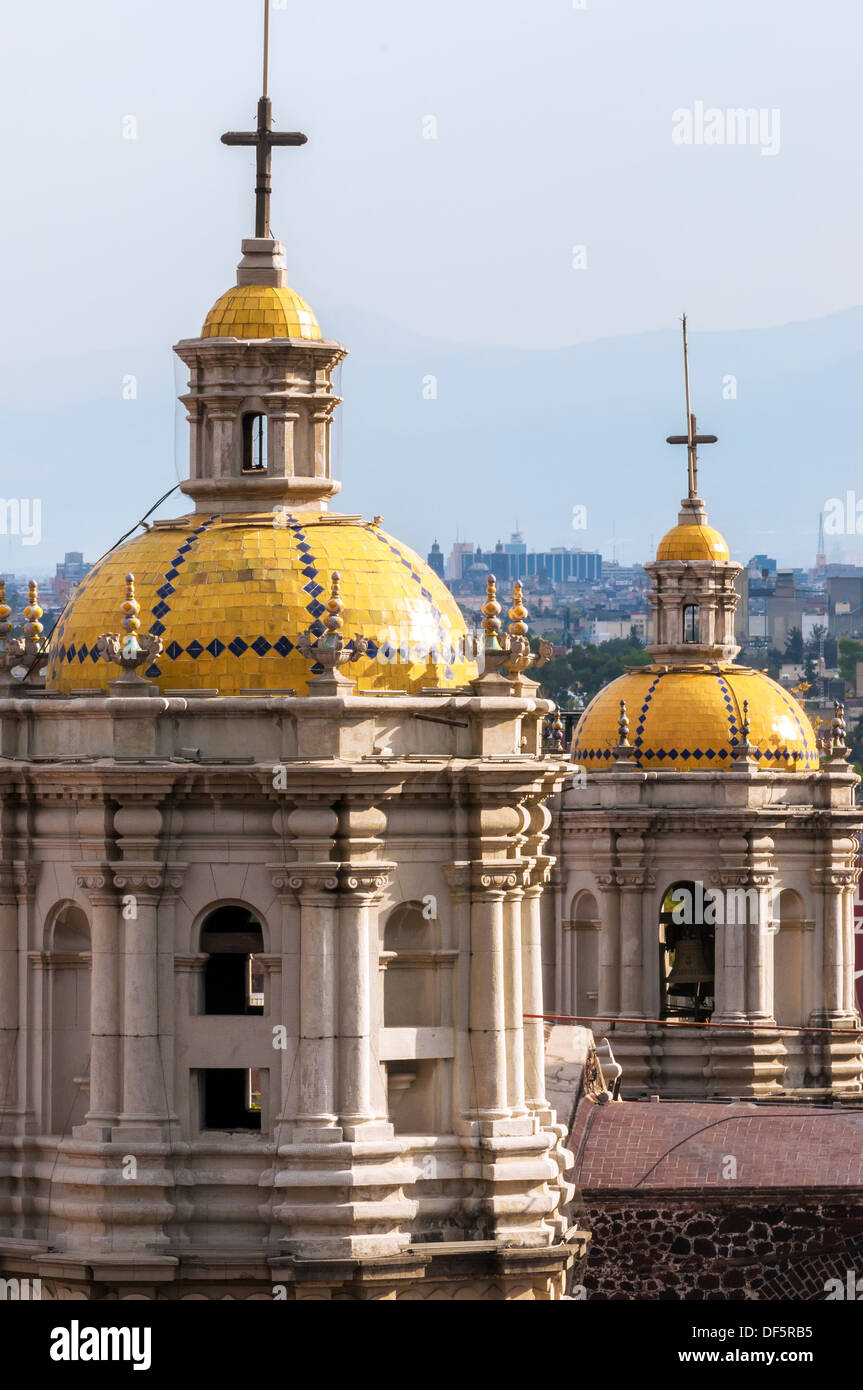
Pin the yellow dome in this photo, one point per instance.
(688, 720)
(261, 311)
(230, 595)
(693, 543)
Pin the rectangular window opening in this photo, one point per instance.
(231, 1098)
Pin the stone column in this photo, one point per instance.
(145, 1084)
(361, 886)
(608, 1003)
(730, 961)
(631, 884)
(458, 876)
(105, 1016)
(514, 1000)
(9, 1037)
(834, 966)
(31, 1034)
(315, 1115)
(850, 999)
(759, 942)
(532, 996)
(487, 990)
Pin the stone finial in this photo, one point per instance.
(13, 650)
(33, 612)
(746, 757)
(623, 724)
(839, 749)
(126, 650)
(330, 651)
(490, 611)
(5, 613)
(515, 643)
(16, 650)
(557, 732)
(624, 752)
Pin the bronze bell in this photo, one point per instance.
(690, 967)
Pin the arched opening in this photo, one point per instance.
(690, 623)
(254, 443)
(789, 963)
(70, 1019)
(412, 1001)
(585, 929)
(232, 938)
(233, 985)
(409, 994)
(687, 930)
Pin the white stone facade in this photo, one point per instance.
(406, 1147)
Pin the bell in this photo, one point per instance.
(690, 967)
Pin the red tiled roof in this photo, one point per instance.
(673, 1145)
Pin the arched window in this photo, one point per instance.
(687, 924)
(690, 623)
(581, 961)
(231, 937)
(254, 443)
(409, 981)
(791, 965)
(70, 1018)
(416, 969)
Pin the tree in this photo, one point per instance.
(850, 652)
(585, 670)
(794, 645)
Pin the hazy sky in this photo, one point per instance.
(554, 131)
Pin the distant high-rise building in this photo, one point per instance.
(435, 559)
(454, 566)
(69, 574)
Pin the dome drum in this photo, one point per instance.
(283, 391)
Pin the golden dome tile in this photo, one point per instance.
(693, 543)
(689, 720)
(237, 635)
(261, 311)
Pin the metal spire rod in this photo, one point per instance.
(265, 139)
(691, 439)
(266, 47)
(691, 464)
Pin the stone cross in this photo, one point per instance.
(264, 138)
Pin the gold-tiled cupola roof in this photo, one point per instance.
(261, 311)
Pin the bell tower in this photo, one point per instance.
(261, 398)
(692, 590)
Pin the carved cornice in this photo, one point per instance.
(836, 877)
(494, 880)
(26, 876)
(365, 882)
(307, 882)
(96, 880)
(633, 878)
(149, 880)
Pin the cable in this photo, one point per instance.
(43, 652)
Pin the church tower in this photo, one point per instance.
(272, 860)
(707, 858)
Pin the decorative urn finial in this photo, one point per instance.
(125, 649)
(329, 651)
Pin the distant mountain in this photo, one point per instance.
(513, 435)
